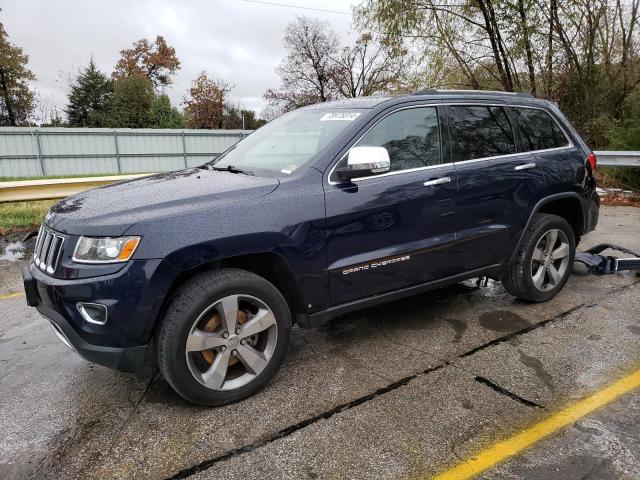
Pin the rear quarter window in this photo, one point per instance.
(538, 130)
(480, 132)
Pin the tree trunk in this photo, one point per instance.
(549, 80)
(7, 99)
(503, 70)
(527, 47)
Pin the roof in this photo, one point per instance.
(359, 102)
(437, 92)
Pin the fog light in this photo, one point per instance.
(93, 312)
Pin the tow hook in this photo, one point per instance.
(605, 264)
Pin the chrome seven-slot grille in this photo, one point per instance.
(48, 250)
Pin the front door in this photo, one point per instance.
(397, 229)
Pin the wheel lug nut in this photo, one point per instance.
(234, 353)
(237, 331)
(223, 348)
(225, 335)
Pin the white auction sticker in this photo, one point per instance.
(344, 116)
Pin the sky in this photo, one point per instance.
(239, 41)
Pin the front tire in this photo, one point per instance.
(223, 336)
(544, 260)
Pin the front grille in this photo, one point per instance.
(48, 250)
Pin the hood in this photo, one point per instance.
(112, 209)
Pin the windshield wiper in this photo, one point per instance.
(232, 169)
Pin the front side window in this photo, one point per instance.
(538, 130)
(479, 132)
(411, 137)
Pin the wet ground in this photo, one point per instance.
(405, 390)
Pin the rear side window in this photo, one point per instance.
(411, 137)
(479, 132)
(538, 130)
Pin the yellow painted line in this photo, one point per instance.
(11, 295)
(512, 446)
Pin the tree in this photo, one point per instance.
(368, 68)
(156, 61)
(163, 115)
(236, 117)
(307, 71)
(584, 54)
(89, 98)
(251, 122)
(205, 101)
(131, 102)
(16, 100)
(56, 120)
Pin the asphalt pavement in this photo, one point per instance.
(411, 389)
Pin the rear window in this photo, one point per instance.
(479, 132)
(538, 130)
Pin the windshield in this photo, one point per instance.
(288, 142)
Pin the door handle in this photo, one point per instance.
(526, 166)
(437, 181)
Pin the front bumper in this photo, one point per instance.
(133, 295)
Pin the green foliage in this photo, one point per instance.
(625, 134)
(89, 98)
(235, 117)
(131, 102)
(250, 120)
(163, 115)
(16, 100)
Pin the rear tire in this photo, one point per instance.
(544, 260)
(223, 336)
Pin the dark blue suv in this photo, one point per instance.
(327, 209)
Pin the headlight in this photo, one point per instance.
(105, 249)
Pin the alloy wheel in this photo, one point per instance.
(550, 260)
(231, 342)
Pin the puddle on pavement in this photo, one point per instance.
(458, 326)
(12, 249)
(12, 252)
(503, 321)
(536, 365)
(635, 329)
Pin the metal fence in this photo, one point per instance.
(36, 152)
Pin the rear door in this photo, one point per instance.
(392, 231)
(540, 134)
(498, 185)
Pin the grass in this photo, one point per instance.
(18, 216)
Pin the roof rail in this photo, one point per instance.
(433, 91)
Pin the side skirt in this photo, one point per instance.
(318, 318)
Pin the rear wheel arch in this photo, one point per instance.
(565, 205)
(568, 207)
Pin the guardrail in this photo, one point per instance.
(60, 188)
(617, 159)
(57, 188)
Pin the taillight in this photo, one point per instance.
(592, 160)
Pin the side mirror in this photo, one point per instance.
(364, 162)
